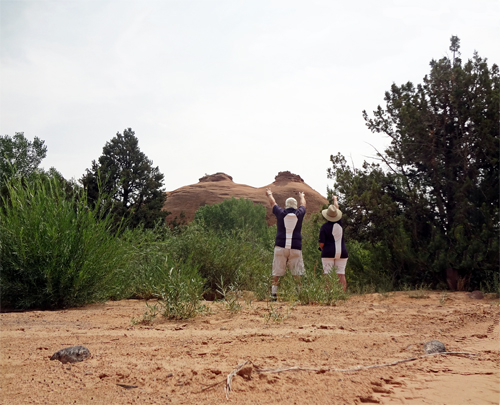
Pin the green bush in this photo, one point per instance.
(233, 214)
(55, 252)
(230, 244)
(238, 258)
(365, 270)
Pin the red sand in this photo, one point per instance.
(187, 362)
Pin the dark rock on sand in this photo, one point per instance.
(434, 346)
(72, 354)
(477, 295)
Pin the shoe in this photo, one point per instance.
(274, 297)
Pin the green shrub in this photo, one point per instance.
(365, 272)
(238, 258)
(234, 215)
(55, 252)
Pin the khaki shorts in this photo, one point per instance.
(292, 257)
(329, 262)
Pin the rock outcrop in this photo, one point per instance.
(215, 177)
(215, 188)
(287, 177)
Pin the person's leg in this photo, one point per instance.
(340, 264)
(342, 281)
(327, 263)
(296, 266)
(274, 288)
(279, 267)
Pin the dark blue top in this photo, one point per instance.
(332, 235)
(289, 226)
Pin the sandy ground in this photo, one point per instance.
(301, 347)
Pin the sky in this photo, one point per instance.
(249, 88)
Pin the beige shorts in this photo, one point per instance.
(292, 257)
(329, 262)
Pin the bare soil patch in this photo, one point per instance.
(187, 362)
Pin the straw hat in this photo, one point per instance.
(332, 213)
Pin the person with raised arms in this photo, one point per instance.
(288, 243)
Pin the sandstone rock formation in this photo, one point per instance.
(215, 188)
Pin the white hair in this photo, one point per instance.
(291, 203)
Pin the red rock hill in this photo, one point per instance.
(217, 187)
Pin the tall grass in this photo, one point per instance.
(313, 288)
(154, 272)
(55, 252)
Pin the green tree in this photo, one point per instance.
(437, 204)
(19, 156)
(126, 179)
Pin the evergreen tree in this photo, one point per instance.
(19, 156)
(126, 183)
(439, 200)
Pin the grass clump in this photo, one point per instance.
(178, 289)
(420, 291)
(230, 297)
(275, 314)
(312, 288)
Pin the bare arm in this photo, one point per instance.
(270, 197)
(302, 199)
(335, 202)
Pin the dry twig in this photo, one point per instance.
(232, 374)
(213, 385)
(341, 370)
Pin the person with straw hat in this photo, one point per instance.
(331, 242)
(288, 243)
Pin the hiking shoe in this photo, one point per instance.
(274, 297)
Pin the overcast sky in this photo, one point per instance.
(249, 88)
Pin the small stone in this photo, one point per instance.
(72, 354)
(246, 372)
(476, 295)
(434, 346)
